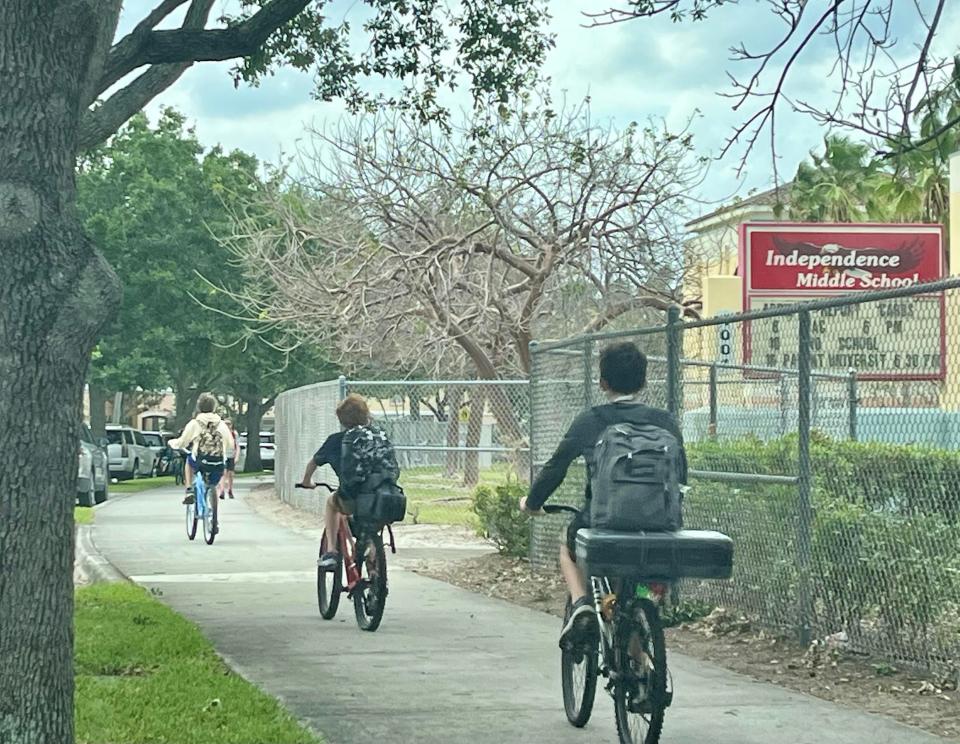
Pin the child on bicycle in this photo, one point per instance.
(208, 442)
(623, 374)
(352, 413)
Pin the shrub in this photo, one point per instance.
(500, 519)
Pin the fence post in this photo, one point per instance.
(853, 400)
(587, 373)
(531, 424)
(343, 386)
(674, 351)
(804, 507)
(712, 427)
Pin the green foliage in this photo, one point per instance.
(497, 508)
(849, 183)
(145, 674)
(498, 44)
(883, 540)
(150, 199)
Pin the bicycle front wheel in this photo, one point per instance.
(370, 593)
(329, 583)
(191, 521)
(640, 694)
(578, 677)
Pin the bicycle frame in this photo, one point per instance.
(348, 549)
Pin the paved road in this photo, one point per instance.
(446, 665)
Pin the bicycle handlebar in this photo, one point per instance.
(330, 488)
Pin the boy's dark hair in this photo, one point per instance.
(623, 367)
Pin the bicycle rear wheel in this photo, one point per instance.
(578, 677)
(329, 584)
(209, 515)
(640, 694)
(370, 593)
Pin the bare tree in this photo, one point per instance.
(429, 249)
(890, 82)
(433, 250)
(66, 84)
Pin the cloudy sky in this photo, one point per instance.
(632, 71)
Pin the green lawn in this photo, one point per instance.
(83, 514)
(145, 484)
(141, 484)
(144, 674)
(432, 498)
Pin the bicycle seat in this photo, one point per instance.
(655, 556)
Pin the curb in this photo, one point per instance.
(90, 561)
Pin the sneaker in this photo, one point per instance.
(329, 560)
(222, 497)
(231, 494)
(190, 498)
(581, 624)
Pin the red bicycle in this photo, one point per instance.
(361, 572)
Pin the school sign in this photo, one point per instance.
(787, 263)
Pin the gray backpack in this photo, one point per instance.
(634, 479)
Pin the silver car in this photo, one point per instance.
(129, 454)
(93, 473)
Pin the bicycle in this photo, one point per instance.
(630, 653)
(204, 507)
(363, 560)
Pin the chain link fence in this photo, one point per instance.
(823, 439)
(451, 436)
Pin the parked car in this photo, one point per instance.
(129, 454)
(157, 443)
(93, 473)
(268, 450)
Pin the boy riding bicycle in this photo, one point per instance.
(623, 374)
(209, 443)
(350, 453)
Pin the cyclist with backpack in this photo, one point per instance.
(635, 467)
(366, 466)
(208, 441)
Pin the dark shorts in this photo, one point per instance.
(231, 464)
(579, 522)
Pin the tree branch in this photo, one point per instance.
(191, 45)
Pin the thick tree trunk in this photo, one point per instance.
(471, 471)
(185, 402)
(98, 410)
(255, 407)
(54, 294)
(454, 458)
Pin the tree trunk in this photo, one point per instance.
(54, 295)
(98, 410)
(252, 463)
(454, 458)
(471, 471)
(185, 403)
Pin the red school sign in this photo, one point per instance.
(797, 259)
(787, 263)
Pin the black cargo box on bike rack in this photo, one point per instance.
(652, 556)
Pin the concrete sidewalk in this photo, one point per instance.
(446, 665)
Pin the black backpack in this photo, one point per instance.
(369, 475)
(635, 479)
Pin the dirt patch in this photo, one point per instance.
(824, 671)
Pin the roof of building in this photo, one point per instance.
(777, 195)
